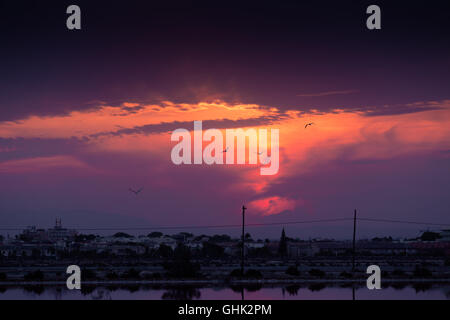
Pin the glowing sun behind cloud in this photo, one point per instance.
(272, 205)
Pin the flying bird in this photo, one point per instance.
(266, 160)
(226, 150)
(136, 192)
(309, 124)
(260, 153)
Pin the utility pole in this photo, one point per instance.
(354, 241)
(243, 240)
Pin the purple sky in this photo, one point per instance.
(86, 115)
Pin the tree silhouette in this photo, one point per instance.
(122, 235)
(430, 236)
(211, 250)
(181, 265)
(155, 234)
(164, 251)
(282, 247)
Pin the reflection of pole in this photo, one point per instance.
(354, 241)
(243, 240)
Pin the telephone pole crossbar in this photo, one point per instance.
(243, 240)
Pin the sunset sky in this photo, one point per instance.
(85, 115)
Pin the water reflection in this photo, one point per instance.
(292, 290)
(101, 294)
(247, 287)
(422, 287)
(306, 291)
(316, 286)
(36, 289)
(182, 293)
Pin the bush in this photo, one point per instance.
(34, 276)
(250, 273)
(236, 273)
(421, 272)
(164, 251)
(131, 274)
(88, 274)
(122, 235)
(182, 269)
(112, 275)
(254, 274)
(181, 265)
(398, 273)
(150, 275)
(3, 276)
(211, 250)
(292, 271)
(155, 235)
(346, 275)
(316, 273)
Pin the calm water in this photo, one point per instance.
(308, 292)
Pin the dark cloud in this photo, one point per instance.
(398, 110)
(327, 93)
(207, 124)
(24, 148)
(258, 52)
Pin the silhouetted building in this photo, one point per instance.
(58, 233)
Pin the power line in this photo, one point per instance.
(405, 222)
(240, 225)
(196, 226)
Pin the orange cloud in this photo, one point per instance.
(335, 136)
(128, 115)
(272, 205)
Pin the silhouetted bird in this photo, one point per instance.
(309, 124)
(266, 160)
(136, 192)
(226, 150)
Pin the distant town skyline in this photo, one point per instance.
(87, 115)
(214, 230)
